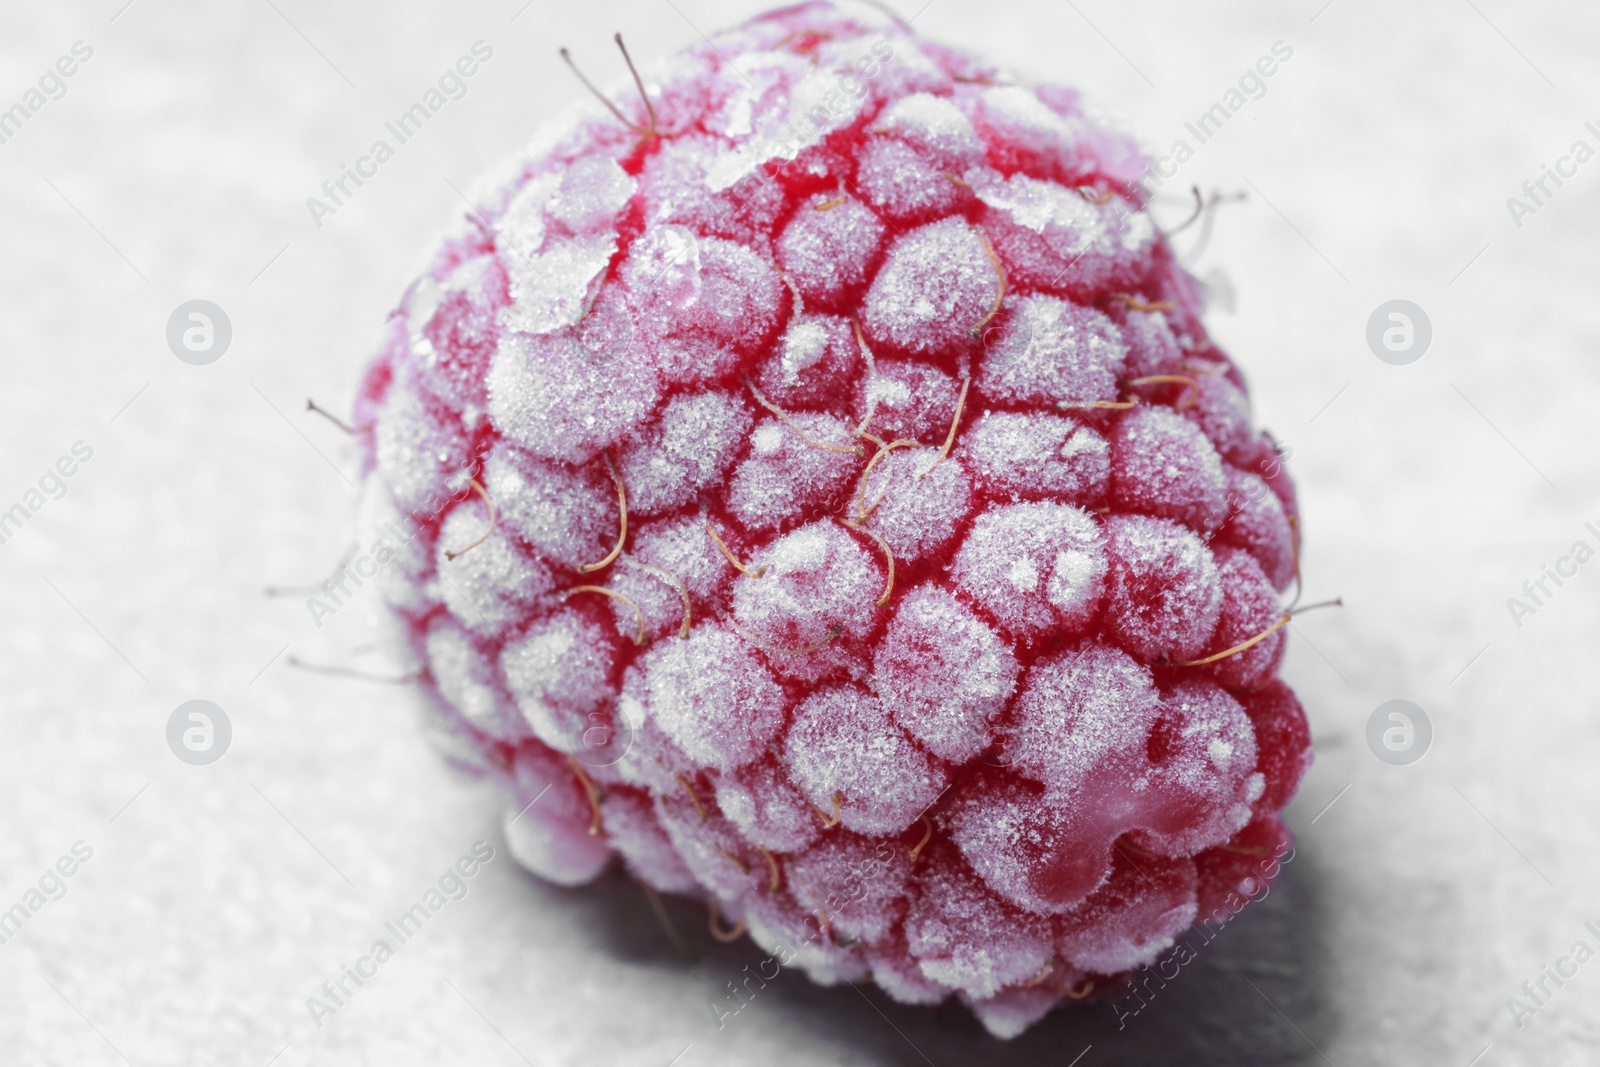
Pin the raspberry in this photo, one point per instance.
(814, 487)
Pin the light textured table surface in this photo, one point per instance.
(219, 898)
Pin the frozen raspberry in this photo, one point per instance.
(1162, 464)
(1164, 596)
(631, 827)
(1249, 607)
(1049, 350)
(812, 489)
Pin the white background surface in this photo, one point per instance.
(1378, 166)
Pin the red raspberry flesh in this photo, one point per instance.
(919, 657)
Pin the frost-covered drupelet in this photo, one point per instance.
(819, 491)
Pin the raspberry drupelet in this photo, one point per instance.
(819, 491)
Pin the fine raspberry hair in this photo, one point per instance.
(808, 482)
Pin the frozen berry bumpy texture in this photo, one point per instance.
(816, 492)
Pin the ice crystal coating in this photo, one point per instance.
(943, 674)
(844, 745)
(936, 283)
(711, 694)
(1052, 350)
(558, 672)
(1037, 456)
(1037, 568)
(915, 502)
(823, 499)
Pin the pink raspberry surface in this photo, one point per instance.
(819, 494)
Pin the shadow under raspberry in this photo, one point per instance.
(1254, 992)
